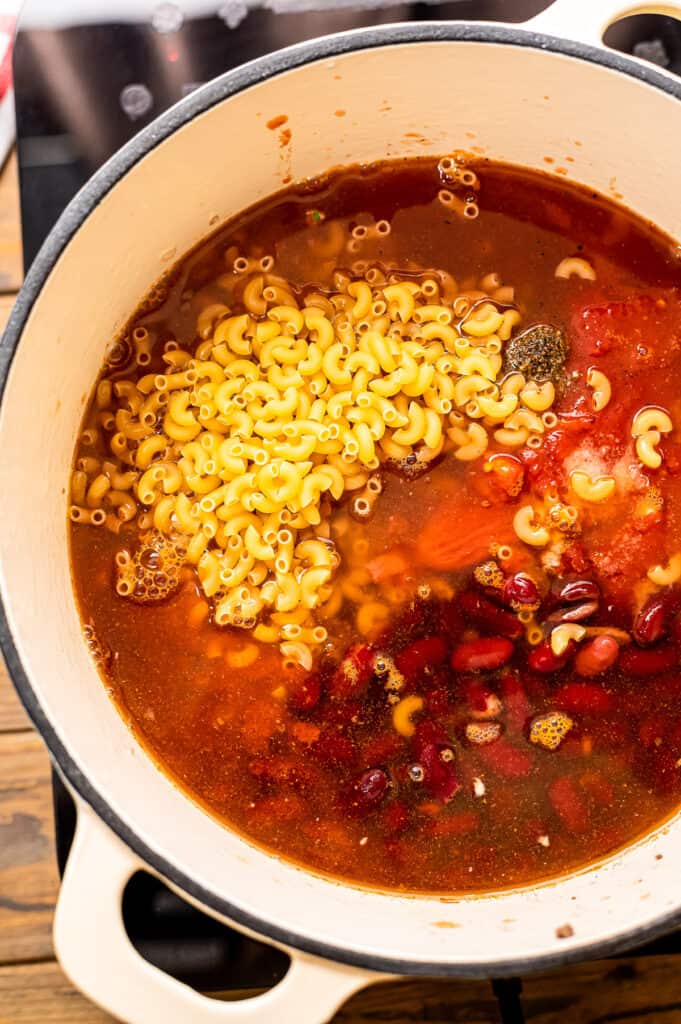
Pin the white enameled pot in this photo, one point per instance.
(521, 94)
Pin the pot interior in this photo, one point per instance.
(497, 98)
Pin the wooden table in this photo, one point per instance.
(33, 989)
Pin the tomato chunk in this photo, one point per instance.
(456, 536)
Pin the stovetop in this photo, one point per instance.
(88, 75)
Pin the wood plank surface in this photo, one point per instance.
(12, 715)
(28, 874)
(40, 994)
(644, 991)
(11, 268)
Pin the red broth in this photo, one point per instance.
(522, 763)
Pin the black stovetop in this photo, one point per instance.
(88, 75)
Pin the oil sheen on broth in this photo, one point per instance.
(439, 651)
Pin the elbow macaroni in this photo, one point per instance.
(239, 448)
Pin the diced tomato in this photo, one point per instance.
(568, 804)
(583, 698)
(506, 760)
(545, 467)
(642, 332)
(459, 534)
(506, 473)
(627, 554)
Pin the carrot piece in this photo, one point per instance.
(305, 732)
(455, 537)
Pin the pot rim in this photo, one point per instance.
(79, 208)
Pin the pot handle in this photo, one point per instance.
(95, 952)
(585, 21)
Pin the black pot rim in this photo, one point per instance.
(68, 224)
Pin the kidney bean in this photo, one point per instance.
(568, 804)
(584, 698)
(420, 655)
(366, 793)
(650, 623)
(597, 656)
(578, 590)
(354, 673)
(542, 659)
(506, 760)
(520, 591)
(635, 662)
(429, 743)
(482, 655)
(439, 776)
(334, 750)
(304, 694)
(483, 613)
(574, 613)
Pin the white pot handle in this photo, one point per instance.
(95, 952)
(585, 21)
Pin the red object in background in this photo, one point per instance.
(7, 26)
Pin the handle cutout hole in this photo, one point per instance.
(194, 948)
(652, 37)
